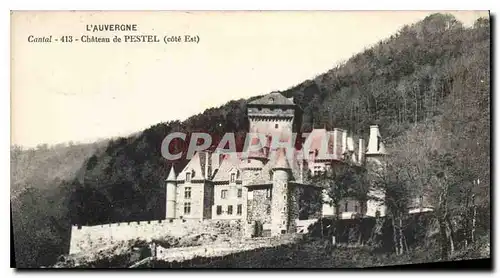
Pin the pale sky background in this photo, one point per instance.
(84, 91)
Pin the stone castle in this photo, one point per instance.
(266, 191)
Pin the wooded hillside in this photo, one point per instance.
(428, 87)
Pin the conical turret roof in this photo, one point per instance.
(281, 161)
(257, 149)
(171, 175)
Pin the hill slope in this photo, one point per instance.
(398, 83)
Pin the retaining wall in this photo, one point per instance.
(86, 238)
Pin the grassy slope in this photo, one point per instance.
(311, 253)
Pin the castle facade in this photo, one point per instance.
(268, 189)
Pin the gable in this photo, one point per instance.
(194, 167)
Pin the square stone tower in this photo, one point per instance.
(273, 114)
(272, 117)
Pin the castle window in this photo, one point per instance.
(187, 193)
(345, 206)
(268, 193)
(240, 193)
(233, 177)
(356, 207)
(223, 194)
(268, 210)
(239, 209)
(187, 208)
(188, 177)
(377, 213)
(230, 209)
(276, 126)
(219, 210)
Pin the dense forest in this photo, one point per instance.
(428, 87)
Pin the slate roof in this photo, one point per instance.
(196, 166)
(279, 161)
(264, 177)
(315, 140)
(171, 175)
(273, 99)
(228, 163)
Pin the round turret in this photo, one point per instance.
(171, 193)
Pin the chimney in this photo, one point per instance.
(344, 141)
(375, 145)
(361, 149)
(350, 144)
(208, 165)
(216, 159)
(337, 143)
(351, 148)
(373, 140)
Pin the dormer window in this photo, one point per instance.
(271, 100)
(233, 177)
(188, 177)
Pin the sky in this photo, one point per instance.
(82, 92)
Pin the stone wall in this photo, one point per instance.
(88, 238)
(294, 194)
(280, 198)
(259, 205)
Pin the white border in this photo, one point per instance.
(192, 5)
